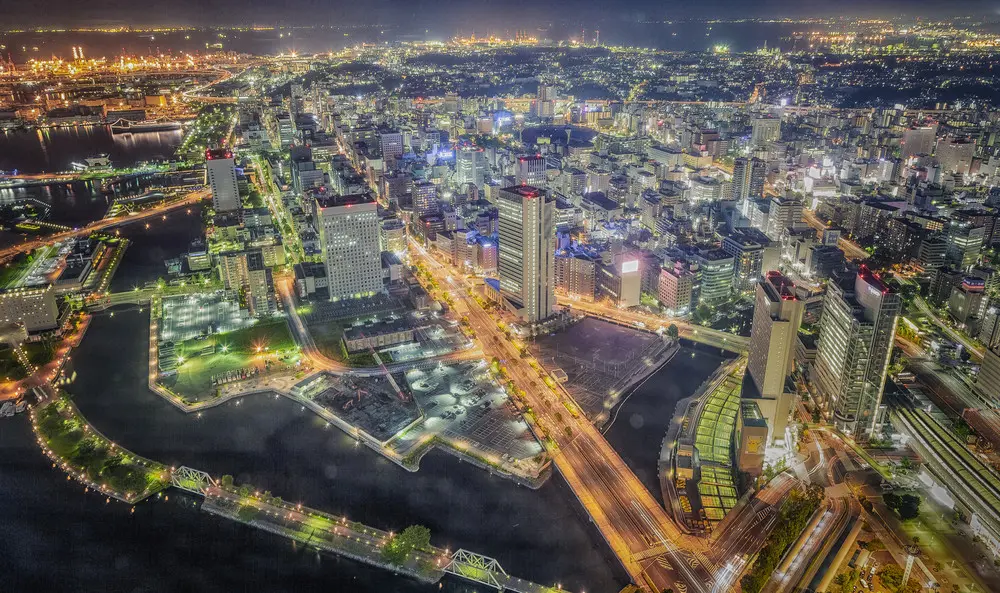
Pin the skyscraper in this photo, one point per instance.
(425, 199)
(955, 155)
(855, 341)
(764, 131)
(470, 166)
(783, 213)
(527, 270)
(917, 140)
(349, 237)
(220, 171)
(748, 178)
(988, 381)
(545, 104)
(777, 316)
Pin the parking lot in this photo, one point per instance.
(191, 316)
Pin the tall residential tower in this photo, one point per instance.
(777, 316)
(220, 173)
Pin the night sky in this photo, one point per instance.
(452, 13)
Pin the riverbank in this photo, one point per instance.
(85, 454)
(289, 385)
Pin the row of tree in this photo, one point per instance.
(793, 518)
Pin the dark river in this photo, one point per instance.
(49, 150)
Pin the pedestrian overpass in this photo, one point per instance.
(462, 563)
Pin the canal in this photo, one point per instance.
(277, 445)
(59, 538)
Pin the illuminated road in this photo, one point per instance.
(690, 331)
(651, 547)
(745, 532)
(977, 351)
(104, 223)
(851, 249)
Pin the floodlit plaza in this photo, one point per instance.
(463, 406)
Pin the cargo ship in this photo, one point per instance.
(124, 126)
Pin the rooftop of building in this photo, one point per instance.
(347, 200)
(526, 191)
(750, 414)
(377, 328)
(780, 285)
(218, 153)
(599, 199)
(873, 279)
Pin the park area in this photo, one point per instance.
(93, 458)
(203, 364)
(37, 354)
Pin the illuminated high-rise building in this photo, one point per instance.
(917, 140)
(470, 166)
(220, 174)
(527, 269)
(530, 170)
(349, 237)
(857, 331)
(748, 178)
(777, 316)
(765, 130)
(425, 200)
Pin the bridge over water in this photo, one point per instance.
(353, 540)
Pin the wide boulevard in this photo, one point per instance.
(651, 547)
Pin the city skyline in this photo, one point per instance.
(610, 302)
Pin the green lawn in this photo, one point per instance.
(40, 352)
(230, 351)
(67, 435)
(329, 340)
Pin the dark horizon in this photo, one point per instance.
(451, 14)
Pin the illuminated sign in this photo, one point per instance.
(630, 266)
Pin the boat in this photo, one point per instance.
(100, 162)
(124, 126)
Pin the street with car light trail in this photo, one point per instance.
(651, 547)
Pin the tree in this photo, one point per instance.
(846, 581)
(247, 513)
(414, 537)
(909, 507)
(891, 576)
(672, 332)
(226, 481)
(906, 505)
(417, 537)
